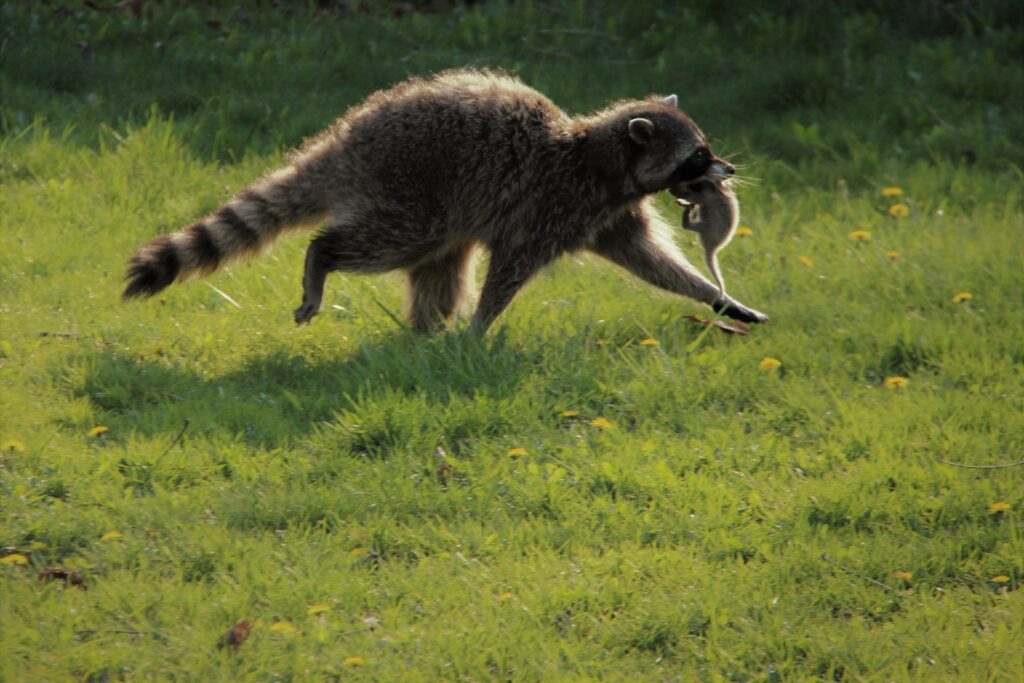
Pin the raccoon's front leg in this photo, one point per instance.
(640, 241)
(510, 269)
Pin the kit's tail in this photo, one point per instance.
(242, 228)
(711, 259)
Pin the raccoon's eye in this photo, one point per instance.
(694, 166)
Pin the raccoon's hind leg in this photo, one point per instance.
(336, 248)
(318, 264)
(436, 286)
(371, 246)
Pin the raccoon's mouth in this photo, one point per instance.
(716, 173)
(686, 189)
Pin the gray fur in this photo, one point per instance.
(418, 176)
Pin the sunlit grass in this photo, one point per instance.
(599, 490)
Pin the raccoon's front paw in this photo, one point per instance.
(305, 313)
(738, 311)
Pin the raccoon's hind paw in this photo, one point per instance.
(305, 313)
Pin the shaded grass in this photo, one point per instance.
(685, 542)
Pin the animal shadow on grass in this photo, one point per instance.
(279, 396)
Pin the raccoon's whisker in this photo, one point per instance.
(745, 180)
(738, 165)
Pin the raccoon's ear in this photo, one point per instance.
(672, 101)
(641, 130)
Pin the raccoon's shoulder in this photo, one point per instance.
(484, 89)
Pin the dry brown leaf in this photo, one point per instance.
(444, 470)
(728, 328)
(235, 636)
(70, 577)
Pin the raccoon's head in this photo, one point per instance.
(669, 150)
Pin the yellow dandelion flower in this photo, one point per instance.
(355, 660)
(649, 342)
(997, 508)
(744, 231)
(806, 261)
(1002, 578)
(14, 559)
(860, 236)
(769, 364)
(893, 254)
(37, 545)
(896, 382)
(570, 413)
(318, 608)
(111, 536)
(282, 627)
(905, 577)
(505, 597)
(899, 210)
(516, 452)
(892, 192)
(961, 297)
(98, 431)
(602, 423)
(12, 446)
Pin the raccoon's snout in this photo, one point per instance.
(722, 168)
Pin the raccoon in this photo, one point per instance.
(419, 176)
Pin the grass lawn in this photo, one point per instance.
(600, 489)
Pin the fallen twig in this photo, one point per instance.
(982, 467)
(161, 391)
(120, 632)
(581, 32)
(835, 564)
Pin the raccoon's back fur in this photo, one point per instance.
(417, 176)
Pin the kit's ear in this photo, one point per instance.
(641, 130)
(672, 101)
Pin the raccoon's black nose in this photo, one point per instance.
(728, 169)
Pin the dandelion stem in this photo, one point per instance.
(224, 295)
(835, 564)
(398, 321)
(181, 433)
